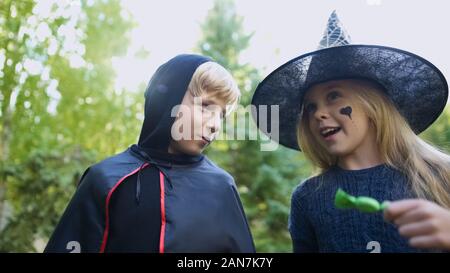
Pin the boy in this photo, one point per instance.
(163, 195)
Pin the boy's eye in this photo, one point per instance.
(205, 106)
(211, 109)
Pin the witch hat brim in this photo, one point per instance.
(416, 87)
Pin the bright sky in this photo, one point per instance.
(284, 29)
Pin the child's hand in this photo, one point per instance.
(426, 224)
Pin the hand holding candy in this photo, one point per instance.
(424, 223)
(344, 200)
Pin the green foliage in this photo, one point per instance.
(51, 117)
(439, 133)
(38, 190)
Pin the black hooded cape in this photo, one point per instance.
(147, 200)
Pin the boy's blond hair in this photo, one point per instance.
(426, 167)
(212, 78)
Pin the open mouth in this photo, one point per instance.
(329, 131)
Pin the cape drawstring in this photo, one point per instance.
(151, 162)
(138, 183)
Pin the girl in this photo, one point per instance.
(355, 111)
(367, 150)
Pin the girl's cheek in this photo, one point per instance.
(312, 125)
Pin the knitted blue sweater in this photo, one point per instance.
(317, 226)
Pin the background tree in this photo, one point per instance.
(57, 103)
(439, 133)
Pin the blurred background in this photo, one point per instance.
(73, 75)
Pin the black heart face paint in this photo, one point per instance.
(347, 111)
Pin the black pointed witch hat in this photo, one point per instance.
(417, 88)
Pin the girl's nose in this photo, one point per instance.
(321, 114)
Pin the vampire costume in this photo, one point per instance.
(147, 200)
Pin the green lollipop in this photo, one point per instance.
(344, 200)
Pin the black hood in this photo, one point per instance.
(165, 90)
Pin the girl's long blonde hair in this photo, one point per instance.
(426, 167)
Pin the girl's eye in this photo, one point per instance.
(310, 108)
(333, 95)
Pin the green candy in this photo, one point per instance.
(344, 200)
(367, 204)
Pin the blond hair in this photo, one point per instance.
(212, 78)
(426, 167)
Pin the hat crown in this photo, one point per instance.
(334, 34)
